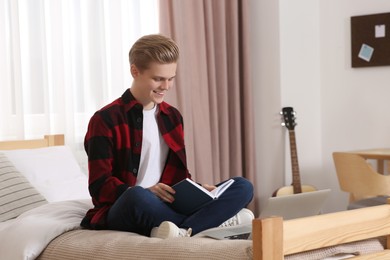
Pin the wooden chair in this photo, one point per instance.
(357, 177)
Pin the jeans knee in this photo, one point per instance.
(135, 195)
(244, 183)
(245, 186)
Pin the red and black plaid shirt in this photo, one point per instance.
(113, 145)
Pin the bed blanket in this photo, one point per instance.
(52, 231)
(108, 245)
(26, 236)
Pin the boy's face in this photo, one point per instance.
(150, 86)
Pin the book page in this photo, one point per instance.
(220, 189)
(211, 194)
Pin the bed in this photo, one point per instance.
(44, 224)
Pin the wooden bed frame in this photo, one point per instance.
(274, 238)
(48, 140)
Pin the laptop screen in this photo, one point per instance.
(296, 205)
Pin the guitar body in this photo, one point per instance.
(289, 190)
(288, 115)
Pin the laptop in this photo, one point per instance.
(289, 207)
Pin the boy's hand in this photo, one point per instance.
(209, 187)
(163, 191)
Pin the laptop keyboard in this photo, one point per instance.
(239, 236)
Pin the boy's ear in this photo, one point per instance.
(134, 70)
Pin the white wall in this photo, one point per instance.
(266, 84)
(302, 59)
(355, 101)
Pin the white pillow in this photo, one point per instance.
(53, 171)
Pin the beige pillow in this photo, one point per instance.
(17, 195)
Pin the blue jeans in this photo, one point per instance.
(139, 210)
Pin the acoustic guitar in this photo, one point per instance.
(288, 118)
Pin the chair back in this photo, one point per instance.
(357, 177)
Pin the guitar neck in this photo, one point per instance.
(296, 179)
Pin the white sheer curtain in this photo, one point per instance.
(61, 60)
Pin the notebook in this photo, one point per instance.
(289, 207)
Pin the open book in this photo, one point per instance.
(190, 196)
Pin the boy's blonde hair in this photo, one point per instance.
(153, 48)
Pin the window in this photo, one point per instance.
(64, 59)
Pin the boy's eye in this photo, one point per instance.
(163, 79)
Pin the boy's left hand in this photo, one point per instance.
(209, 187)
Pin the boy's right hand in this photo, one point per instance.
(163, 191)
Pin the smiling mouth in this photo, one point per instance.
(161, 93)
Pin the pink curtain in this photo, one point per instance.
(212, 88)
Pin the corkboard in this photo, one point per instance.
(370, 38)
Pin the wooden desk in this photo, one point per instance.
(380, 155)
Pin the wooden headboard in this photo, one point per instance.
(48, 140)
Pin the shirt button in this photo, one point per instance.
(137, 144)
(135, 170)
(139, 120)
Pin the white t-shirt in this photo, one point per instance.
(154, 151)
